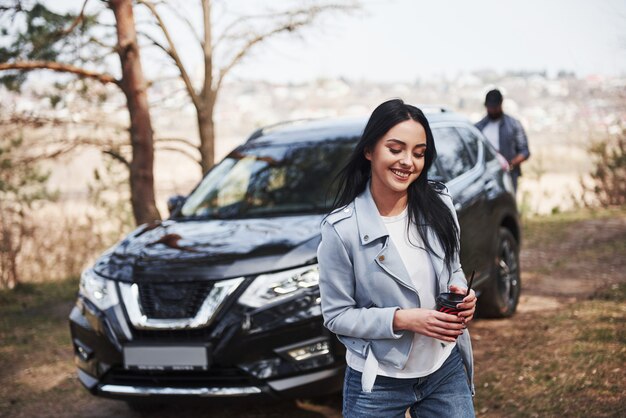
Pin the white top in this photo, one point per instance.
(492, 133)
(427, 354)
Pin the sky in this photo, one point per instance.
(404, 40)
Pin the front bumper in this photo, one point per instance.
(99, 339)
(316, 383)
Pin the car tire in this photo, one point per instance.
(500, 298)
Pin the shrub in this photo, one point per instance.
(22, 185)
(608, 178)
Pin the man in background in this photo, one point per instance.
(505, 133)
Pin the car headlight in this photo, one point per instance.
(271, 288)
(100, 291)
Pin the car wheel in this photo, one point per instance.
(500, 298)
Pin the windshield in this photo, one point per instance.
(269, 180)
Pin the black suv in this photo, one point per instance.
(222, 298)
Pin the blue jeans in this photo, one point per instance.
(444, 393)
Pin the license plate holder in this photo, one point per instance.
(166, 357)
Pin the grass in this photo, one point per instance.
(35, 351)
(36, 308)
(553, 228)
(568, 363)
(36, 295)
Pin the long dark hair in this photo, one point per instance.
(424, 204)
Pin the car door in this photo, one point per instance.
(460, 162)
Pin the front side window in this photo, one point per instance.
(453, 155)
(269, 180)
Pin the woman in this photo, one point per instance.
(388, 249)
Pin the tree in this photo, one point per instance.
(238, 37)
(608, 177)
(22, 183)
(134, 86)
(68, 43)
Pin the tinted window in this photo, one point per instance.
(451, 152)
(435, 174)
(490, 153)
(269, 180)
(471, 140)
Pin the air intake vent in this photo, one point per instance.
(173, 300)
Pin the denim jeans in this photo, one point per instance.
(444, 393)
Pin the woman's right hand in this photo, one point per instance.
(435, 324)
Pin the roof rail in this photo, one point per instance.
(426, 108)
(263, 130)
(433, 108)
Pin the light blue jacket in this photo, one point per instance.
(363, 282)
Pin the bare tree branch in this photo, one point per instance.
(16, 8)
(102, 44)
(229, 33)
(119, 157)
(296, 19)
(179, 141)
(59, 67)
(180, 151)
(155, 42)
(226, 33)
(49, 155)
(36, 121)
(76, 21)
(187, 22)
(173, 53)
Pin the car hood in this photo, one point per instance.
(213, 249)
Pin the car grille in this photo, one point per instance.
(173, 300)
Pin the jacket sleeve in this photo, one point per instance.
(337, 288)
(521, 142)
(457, 277)
(481, 123)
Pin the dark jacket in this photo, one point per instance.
(512, 138)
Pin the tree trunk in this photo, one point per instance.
(206, 128)
(134, 87)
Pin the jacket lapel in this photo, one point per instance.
(389, 260)
(371, 228)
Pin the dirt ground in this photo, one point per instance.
(562, 354)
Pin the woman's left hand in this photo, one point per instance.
(468, 306)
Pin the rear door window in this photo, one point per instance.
(453, 155)
(471, 140)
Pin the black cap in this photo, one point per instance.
(493, 98)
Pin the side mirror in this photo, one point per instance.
(174, 203)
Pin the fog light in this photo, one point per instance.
(309, 354)
(266, 368)
(84, 352)
(309, 351)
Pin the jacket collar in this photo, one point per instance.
(371, 226)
